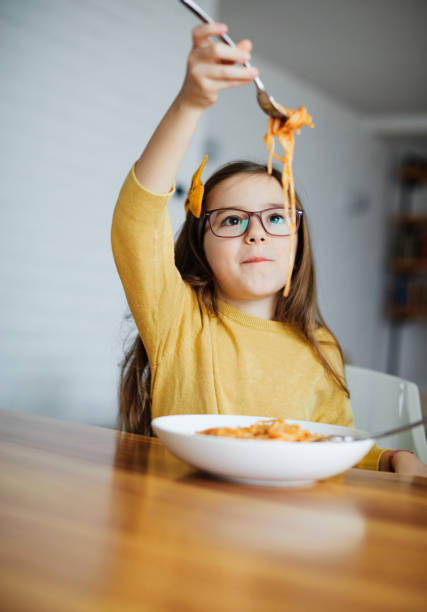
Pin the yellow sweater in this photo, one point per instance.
(200, 363)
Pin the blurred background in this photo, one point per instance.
(84, 84)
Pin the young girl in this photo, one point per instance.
(216, 334)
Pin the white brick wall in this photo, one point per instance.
(83, 86)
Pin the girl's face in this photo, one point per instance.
(237, 277)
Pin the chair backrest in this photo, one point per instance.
(381, 401)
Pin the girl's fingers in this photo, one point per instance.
(221, 72)
(220, 52)
(245, 45)
(228, 84)
(202, 32)
(213, 65)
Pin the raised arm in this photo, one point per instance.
(141, 232)
(210, 68)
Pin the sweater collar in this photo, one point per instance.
(237, 315)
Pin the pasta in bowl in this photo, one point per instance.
(263, 461)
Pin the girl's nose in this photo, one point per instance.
(255, 231)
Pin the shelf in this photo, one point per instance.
(414, 175)
(410, 265)
(408, 312)
(408, 289)
(417, 219)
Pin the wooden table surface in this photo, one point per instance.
(95, 519)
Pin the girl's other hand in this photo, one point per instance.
(406, 463)
(211, 67)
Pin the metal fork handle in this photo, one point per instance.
(199, 12)
(390, 432)
(380, 434)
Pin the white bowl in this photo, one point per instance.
(261, 462)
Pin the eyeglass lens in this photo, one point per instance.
(231, 223)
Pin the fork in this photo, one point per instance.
(266, 102)
(381, 434)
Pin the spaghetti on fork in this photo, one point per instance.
(285, 133)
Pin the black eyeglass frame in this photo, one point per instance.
(258, 213)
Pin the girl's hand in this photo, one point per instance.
(210, 67)
(406, 463)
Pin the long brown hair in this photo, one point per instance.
(299, 310)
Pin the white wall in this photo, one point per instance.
(83, 86)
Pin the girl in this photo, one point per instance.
(216, 334)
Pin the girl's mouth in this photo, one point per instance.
(256, 260)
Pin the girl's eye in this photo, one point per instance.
(232, 220)
(276, 218)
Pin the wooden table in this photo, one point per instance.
(94, 519)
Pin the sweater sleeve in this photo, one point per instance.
(333, 405)
(143, 249)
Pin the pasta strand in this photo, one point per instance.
(284, 131)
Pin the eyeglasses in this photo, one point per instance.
(233, 222)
